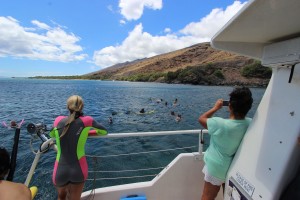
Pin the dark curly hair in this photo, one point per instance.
(4, 162)
(240, 101)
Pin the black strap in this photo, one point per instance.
(292, 73)
(13, 158)
(202, 141)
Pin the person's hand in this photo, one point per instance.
(219, 104)
(208, 114)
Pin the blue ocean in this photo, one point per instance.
(41, 101)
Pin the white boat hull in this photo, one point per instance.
(182, 179)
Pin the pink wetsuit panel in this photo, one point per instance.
(84, 167)
(87, 121)
(57, 120)
(54, 172)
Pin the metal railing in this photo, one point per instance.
(45, 145)
(158, 133)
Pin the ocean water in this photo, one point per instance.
(40, 101)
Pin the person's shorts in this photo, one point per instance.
(209, 178)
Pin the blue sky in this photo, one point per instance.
(75, 37)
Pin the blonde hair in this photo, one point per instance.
(75, 106)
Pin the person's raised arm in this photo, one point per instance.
(208, 114)
(98, 129)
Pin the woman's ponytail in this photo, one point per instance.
(75, 106)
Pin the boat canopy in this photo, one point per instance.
(258, 24)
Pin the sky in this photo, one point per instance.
(76, 37)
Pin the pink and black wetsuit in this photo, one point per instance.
(70, 164)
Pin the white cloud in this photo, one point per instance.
(38, 42)
(110, 8)
(167, 30)
(133, 9)
(210, 24)
(40, 25)
(140, 44)
(122, 21)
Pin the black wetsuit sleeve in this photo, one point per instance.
(97, 129)
(98, 125)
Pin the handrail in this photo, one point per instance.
(142, 134)
(154, 133)
(46, 144)
(157, 133)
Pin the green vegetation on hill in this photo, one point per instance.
(209, 74)
(198, 75)
(199, 64)
(256, 70)
(144, 77)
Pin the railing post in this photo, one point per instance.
(201, 142)
(33, 167)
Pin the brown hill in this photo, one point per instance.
(198, 64)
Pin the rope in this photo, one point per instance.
(121, 171)
(126, 177)
(93, 192)
(134, 170)
(146, 152)
(31, 146)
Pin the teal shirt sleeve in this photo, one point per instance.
(214, 125)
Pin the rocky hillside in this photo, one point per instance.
(198, 64)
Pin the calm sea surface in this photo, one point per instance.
(39, 101)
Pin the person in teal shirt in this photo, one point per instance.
(225, 138)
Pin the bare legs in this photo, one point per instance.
(70, 191)
(210, 191)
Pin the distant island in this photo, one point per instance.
(199, 65)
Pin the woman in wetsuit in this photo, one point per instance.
(71, 132)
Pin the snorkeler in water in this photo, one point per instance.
(175, 102)
(142, 110)
(110, 120)
(178, 118)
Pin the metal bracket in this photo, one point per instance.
(198, 157)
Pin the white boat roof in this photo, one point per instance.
(258, 23)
